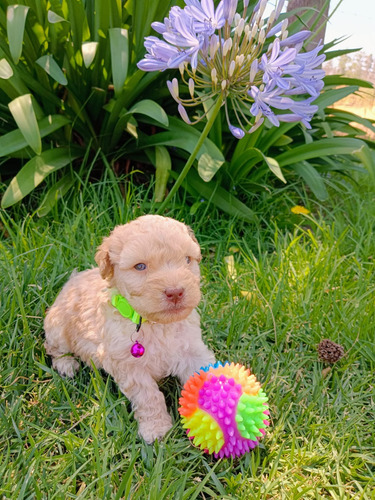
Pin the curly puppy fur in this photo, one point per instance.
(82, 321)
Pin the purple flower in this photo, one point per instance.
(206, 19)
(270, 97)
(224, 58)
(229, 10)
(263, 100)
(273, 67)
(237, 132)
(296, 38)
(161, 55)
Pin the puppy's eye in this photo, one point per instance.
(188, 259)
(140, 266)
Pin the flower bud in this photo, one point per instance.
(284, 26)
(191, 87)
(240, 59)
(173, 89)
(271, 18)
(253, 70)
(227, 46)
(240, 27)
(214, 76)
(183, 114)
(214, 45)
(237, 132)
(261, 36)
(231, 68)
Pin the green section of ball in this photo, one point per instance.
(250, 415)
(204, 430)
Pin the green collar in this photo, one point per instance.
(126, 310)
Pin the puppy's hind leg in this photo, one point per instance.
(56, 346)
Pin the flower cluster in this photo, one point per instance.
(251, 62)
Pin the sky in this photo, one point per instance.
(355, 18)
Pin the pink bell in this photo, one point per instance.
(137, 350)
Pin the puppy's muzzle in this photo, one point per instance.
(174, 295)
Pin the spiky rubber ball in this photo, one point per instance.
(224, 410)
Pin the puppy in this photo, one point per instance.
(134, 315)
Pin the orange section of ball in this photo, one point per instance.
(190, 394)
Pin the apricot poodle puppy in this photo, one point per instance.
(134, 315)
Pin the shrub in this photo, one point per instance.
(70, 87)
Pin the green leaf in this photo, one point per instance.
(312, 178)
(218, 196)
(163, 165)
(271, 136)
(6, 71)
(119, 57)
(16, 18)
(343, 80)
(274, 167)
(23, 113)
(241, 167)
(183, 136)
(317, 149)
(367, 157)
(283, 141)
(349, 117)
(56, 192)
(331, 96)
(331, 54)
(15, 141)
(208, 166)
(150, 109)
(89, 50)
(54, 18)
(51, 67)
(35, 171)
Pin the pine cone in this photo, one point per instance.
(329, 351)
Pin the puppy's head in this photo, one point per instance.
(154, 263)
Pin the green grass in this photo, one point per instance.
(308, 278)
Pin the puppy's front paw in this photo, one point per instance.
(67, 366)
(154, 428)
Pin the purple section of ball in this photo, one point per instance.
(137, 350)
(219, 397)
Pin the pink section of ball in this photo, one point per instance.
(213, 392)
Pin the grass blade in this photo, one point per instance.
(56, 192)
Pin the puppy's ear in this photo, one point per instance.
(192, 236)
(103, 260)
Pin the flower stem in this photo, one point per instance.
(211, 119)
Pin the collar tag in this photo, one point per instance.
(126, 310)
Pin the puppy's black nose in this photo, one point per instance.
(174, 294)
